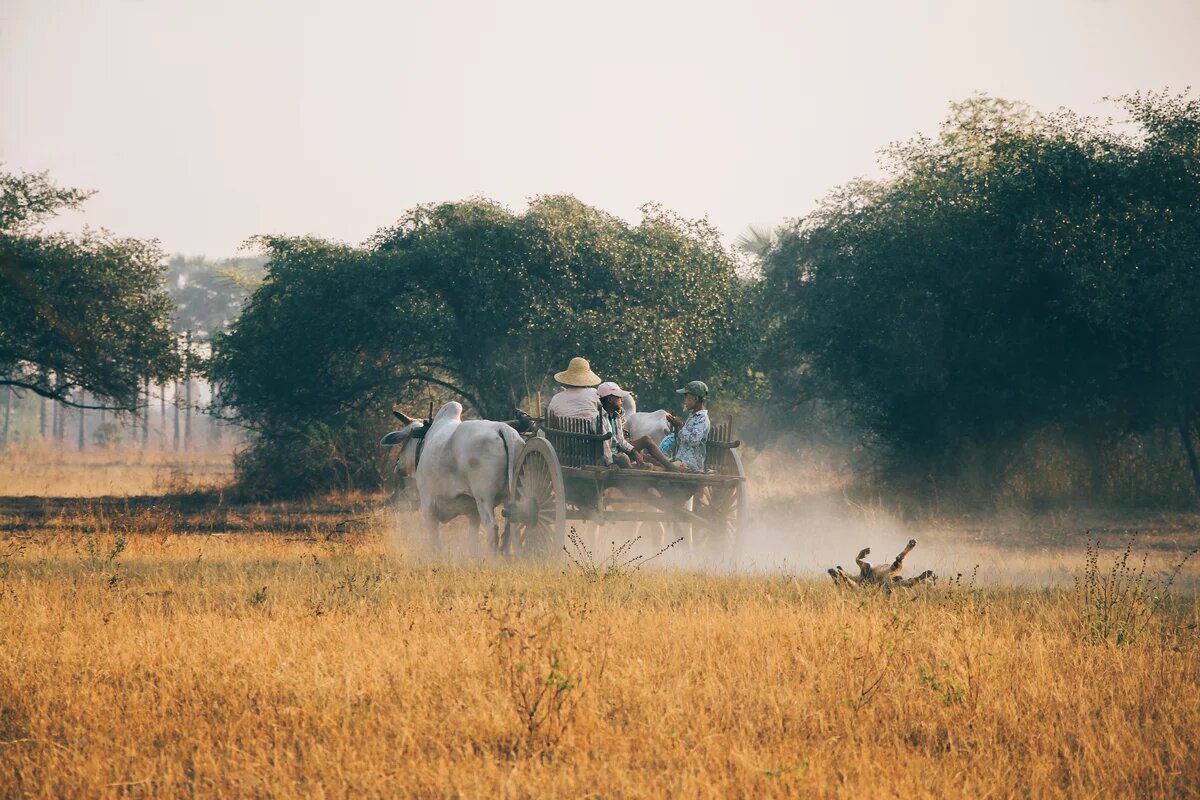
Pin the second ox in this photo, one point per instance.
(645, 423)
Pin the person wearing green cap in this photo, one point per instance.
(691, 434)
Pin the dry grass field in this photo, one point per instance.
(34, 469)
(179, 646)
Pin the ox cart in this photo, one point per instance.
(559, 477)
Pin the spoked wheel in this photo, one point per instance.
(536, 513)
(727, 506)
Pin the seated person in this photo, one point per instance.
(619, 450)
(578, 399)
(688, 442)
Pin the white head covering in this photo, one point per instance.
(609, 388)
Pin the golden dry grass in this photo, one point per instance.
(304, 651)
(321, 664)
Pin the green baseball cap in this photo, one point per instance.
(698, 388)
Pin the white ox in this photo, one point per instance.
(463, 468)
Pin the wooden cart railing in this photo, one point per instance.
(579, 443)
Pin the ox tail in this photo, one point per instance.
(509, 460)
(505, 532)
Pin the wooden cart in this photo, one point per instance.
(559, 477)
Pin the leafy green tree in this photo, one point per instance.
(86, 312)
(1145, 266)
(514, 296)
(1015, 272)
(475, 302)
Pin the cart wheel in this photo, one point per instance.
(536, 514)
(727, 504)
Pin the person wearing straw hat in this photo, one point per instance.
(578, 399)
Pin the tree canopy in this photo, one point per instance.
(1016, 271)
(85, 312)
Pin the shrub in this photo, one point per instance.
(1118, 604)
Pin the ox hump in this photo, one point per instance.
(452, 411)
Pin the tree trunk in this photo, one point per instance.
(187, 415)
(8, 395)
(146, 415)
(1185, 437)
(175, 400)
(187, 377)
(82, 420)
(214, 429)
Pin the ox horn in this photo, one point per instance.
(400, 415)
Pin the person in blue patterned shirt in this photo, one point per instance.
(691, 434)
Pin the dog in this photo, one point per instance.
(884, 576)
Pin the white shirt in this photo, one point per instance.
(575, 403)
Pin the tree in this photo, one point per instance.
(209, 295)
(1015, 272)
(755, 242)
(1152, 300)
(475, 302)
(517, 295)
(86, 312)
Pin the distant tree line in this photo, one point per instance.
(1015, 274)
(94, 321)
(208, 295)
(78, 314)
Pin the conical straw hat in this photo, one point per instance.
(578, 373)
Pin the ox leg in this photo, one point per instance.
(487, 520)
(595, 533)
(429, 515)
(655, 533)
(473, 534)
(689, 532)
(506, 537)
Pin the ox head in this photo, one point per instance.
(408, 440)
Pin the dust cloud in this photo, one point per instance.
(804, 521)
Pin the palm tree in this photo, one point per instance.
(756, 241)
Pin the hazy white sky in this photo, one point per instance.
(203, 122)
